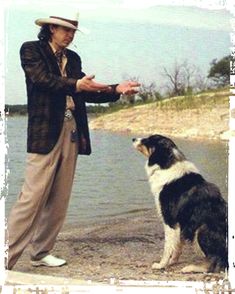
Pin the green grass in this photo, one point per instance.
(203, 100)
(207, 99)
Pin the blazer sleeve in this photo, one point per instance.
(102, 97)
(36, 68)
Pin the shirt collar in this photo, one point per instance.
(54, 50)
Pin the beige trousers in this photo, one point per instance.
(40, 210)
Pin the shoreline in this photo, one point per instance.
(210, 121)
(121, 249)
(206, 122)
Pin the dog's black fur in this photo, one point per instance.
(186, 201)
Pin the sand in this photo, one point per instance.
(122, 249)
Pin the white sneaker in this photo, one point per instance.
(48, 260)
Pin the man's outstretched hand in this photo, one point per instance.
(128, 88)
(88, 83)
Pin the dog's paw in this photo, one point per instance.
(195, 269)
(157, 266)
(173, 261)
(186, 269)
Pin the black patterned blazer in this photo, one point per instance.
(46, 92)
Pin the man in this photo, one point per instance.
(57, 90)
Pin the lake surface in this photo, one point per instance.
(112, 181)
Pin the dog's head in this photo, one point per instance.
(159, 150)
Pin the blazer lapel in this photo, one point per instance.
(69, 66)
(50, 57)
(72, 68)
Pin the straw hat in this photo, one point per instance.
(68, 22)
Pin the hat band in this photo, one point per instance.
(72, 22)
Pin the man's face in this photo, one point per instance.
(61, 36)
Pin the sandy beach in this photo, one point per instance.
(122, 249)
(206, 122)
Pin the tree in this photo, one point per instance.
(175, 80)
(220, 71)
(184, 78)
(149, 92)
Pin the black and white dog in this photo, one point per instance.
(190, 208)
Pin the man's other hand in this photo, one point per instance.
(87, 83)
(128, 88)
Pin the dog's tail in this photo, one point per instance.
(218, 264)
(213, 243)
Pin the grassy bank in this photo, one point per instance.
(206, 100)
(205, 115)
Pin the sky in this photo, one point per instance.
(127, 9)
(196, 14)
(93, 4)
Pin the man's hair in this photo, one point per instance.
(45, 33)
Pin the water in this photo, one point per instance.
(112, 181)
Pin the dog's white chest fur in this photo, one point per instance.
(158, 177)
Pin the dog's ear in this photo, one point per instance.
(179, 156)
(165, 157)
(153, 159)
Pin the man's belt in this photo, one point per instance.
(68, 114)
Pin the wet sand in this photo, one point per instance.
(123, 249)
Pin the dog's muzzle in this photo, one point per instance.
(136, 142)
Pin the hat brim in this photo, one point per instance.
(42, 21)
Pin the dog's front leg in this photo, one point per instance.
(171, 244)
(178, 246)
(177, 252)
